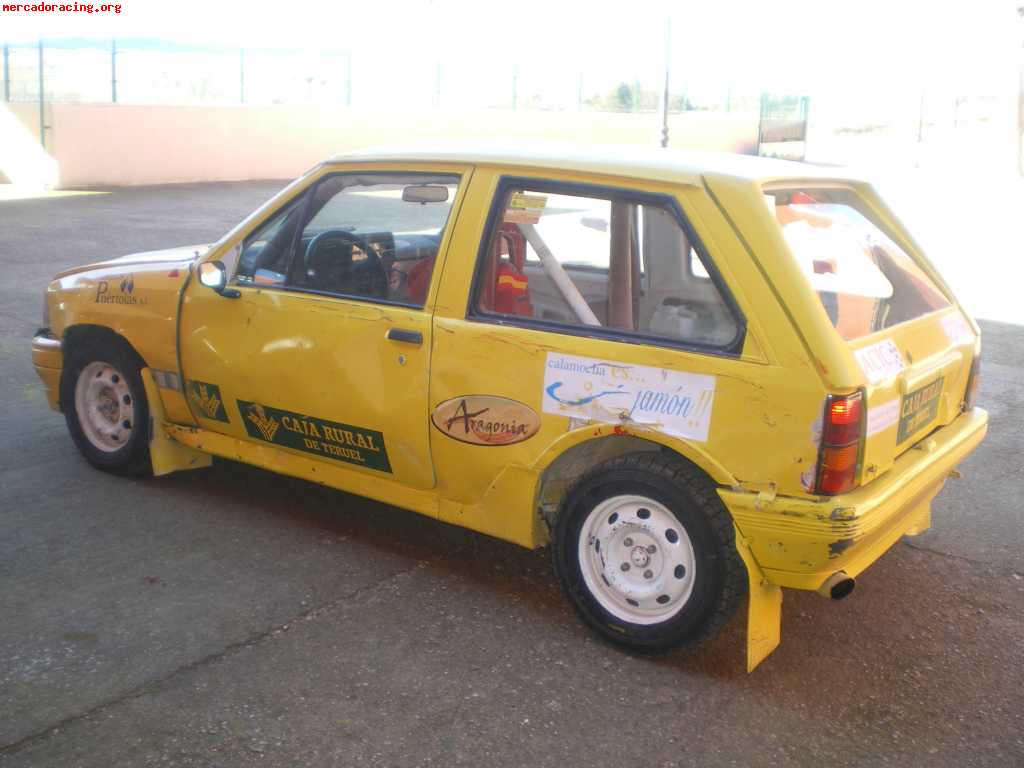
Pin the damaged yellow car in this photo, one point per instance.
(697, 377)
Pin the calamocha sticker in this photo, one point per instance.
(880, 361)
(330, 439)
(486, 420)
(206, 399)
(585, 388)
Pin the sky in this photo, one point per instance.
(890, 49)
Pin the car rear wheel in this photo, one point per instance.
(105, 407)
(645, 551)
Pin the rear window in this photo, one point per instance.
(865, 281)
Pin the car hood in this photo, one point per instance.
(172, 256)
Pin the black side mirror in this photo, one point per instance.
(213, 275)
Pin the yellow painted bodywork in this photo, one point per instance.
(167, 455)
(48, 359)
(329, 359)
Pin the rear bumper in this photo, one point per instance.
(799, 543)
(48, 359)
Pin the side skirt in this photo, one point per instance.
(292, 464)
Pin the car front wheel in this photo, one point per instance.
(105, 407)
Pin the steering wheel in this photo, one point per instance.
(371, 270)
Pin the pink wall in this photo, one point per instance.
(114, 144)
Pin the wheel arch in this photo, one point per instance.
(76, 336)
(574, 453)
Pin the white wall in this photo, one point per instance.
(22, 160)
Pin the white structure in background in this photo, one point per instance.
(22, 160)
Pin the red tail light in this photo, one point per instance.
(973, 383)
(841, 433)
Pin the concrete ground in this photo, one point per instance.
(230, 617)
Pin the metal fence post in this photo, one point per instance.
(7, 72)
(42, 121)
(665, 93)
(113, 71)
(348, 80)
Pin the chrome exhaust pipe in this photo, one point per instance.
(837, 586)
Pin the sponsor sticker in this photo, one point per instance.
(586, 388)
(206, 399)
(525, 209)
(329, 439)
(919, 408)
(880, 361)
(486, 420)
(957, 330)
(118, 291)
(882, 416)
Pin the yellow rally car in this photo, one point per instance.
(697, 376)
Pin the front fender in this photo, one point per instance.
(141, 306)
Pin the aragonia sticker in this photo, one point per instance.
(330, 439)
(486, 420)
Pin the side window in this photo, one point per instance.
(266, 251)
(373, 236)
(600, 261)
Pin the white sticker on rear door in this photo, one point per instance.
(585, 388)
(882, 416)
(957, 330)
(880, 361)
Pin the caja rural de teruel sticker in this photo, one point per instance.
(486, 420)
(342, 442)
(919, 408)
(206, 399)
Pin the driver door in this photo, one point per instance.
(326, 350)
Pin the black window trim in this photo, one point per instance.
(309, 193)
(732, 349)
(302, 198)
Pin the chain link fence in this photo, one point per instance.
(152, 71)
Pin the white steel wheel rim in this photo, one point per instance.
(636, 559)
(105, 406)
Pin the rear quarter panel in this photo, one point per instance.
(766, 404)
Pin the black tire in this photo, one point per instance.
(132, 457)
(720, 579)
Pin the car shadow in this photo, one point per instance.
(846, 635)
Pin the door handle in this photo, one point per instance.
(408, 337)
